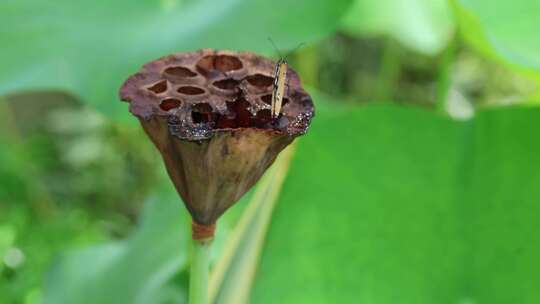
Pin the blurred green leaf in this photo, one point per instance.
(388, 204)
(422, 25)
(132, 271)
(140, 269)
(90, 47)
(504, 30)
(232, 277)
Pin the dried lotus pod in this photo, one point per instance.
(208, 113)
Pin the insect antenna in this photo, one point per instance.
(294, 50)
(275, 47)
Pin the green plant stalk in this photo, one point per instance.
(444, 77)
(221, 267)
(248, 238)
(389, 70)
(198, 276)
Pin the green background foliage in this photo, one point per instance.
(503, 30)
(422, 25)
(89, 47)
(429, 197)
(417, 209)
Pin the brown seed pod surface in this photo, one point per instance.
(208, 112)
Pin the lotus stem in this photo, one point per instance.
(200, 265)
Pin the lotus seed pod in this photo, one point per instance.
(208, 113)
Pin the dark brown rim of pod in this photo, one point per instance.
(208, 112)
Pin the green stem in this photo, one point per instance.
(444, 78)
(200, 265)
(240, 262)
(389, 69)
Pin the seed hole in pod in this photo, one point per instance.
(227, 63)
(241, 109)
(226, 84)
(202, 107)
(179, 72)
(267, 99)
(206, 63)
(202, 113)
(263, 118)
(222, 63)
(159, 87)
(170, 103)
(260, 80)
(285, 101)
(190, 90)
